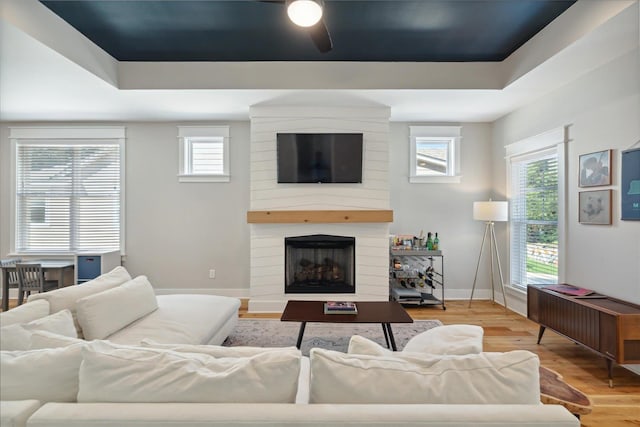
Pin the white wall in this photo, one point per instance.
(446, 208)
(175, 232)
(602, 109)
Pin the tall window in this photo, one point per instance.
(536, 216)
(68, 192)
(204, 153)
(434, 154)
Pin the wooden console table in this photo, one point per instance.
(608, 326)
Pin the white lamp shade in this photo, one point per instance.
(491, 211)
(304, 13)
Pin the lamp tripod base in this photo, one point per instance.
(493, 249)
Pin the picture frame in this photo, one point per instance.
(594, 207)
(630, 185)
(594, 169)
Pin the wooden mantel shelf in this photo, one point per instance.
(318, 216)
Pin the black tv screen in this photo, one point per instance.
(319, 158)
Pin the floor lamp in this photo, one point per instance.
(490, 212)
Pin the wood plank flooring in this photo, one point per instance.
(503, 331)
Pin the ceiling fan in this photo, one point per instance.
(308, 14)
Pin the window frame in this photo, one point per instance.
(449, 134)
(187, 134)
(533, 148)
(63, 135)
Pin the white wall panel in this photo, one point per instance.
(267, 240)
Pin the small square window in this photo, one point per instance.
(204, 153)
(434, 154)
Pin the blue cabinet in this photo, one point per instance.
(91, 265)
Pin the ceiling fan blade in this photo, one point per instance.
(320, 36)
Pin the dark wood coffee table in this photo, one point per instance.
(383, 312)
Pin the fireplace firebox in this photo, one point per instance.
(320, 264)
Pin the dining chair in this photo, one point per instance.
(31, 278)
(11, 275)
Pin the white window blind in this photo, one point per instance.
(205, 156)
(68, 196)
(534, 218)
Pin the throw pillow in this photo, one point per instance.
(24, 313)
(66, 297)
(44, 339)
(216, 350)
(49, 375)
(111, 373)
(17, 336)
(104, 313)
(448, 339)
(486, 378)
(362, 345)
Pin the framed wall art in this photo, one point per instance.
(595, 169)
(594, 207)
(630, 185)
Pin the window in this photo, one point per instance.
(537, 210)
(204, 153)
(68, 189)
(434, 154)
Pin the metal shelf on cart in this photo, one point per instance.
(419, 296)
(410, 252)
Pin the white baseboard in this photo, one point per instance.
(225, 292)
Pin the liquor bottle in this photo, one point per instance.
(436, 243)
(429, 242)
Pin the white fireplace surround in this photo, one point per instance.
(267, 240)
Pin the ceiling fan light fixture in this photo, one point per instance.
(304, 13)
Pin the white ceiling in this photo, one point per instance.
(38, 81)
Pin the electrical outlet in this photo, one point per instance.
(212, 274)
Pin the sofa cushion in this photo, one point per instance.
(15, 413)
(302, 395)
(24, 313)
(104, 313)
(498, 378)
(111, 373)
(17, 336)
(49, 375)
(62, 298)
(181, 319)
(448, 339)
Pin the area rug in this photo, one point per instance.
(332, 336)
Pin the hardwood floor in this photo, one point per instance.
(503, 331)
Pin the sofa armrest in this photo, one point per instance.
(15, 413)
(291, 415)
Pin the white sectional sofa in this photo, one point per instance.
(126, 377)
(133, 315)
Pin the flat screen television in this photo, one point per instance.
(319, 158)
